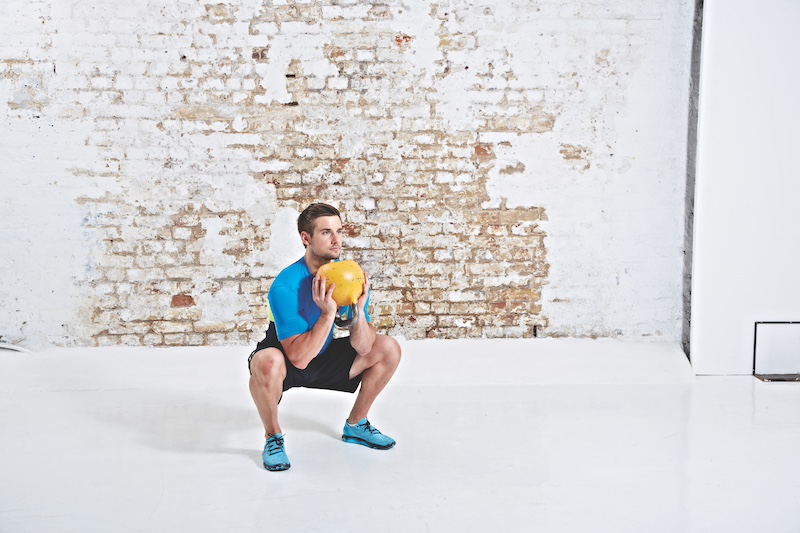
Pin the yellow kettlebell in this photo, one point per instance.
(349, 280)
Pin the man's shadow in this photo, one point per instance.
(201, 422)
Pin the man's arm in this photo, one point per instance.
(362, 334)
(301, 349)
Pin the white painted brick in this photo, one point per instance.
(337, 83)
(332, 12)
(365, 55)
(404, 129)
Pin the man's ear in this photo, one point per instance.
(305, 238)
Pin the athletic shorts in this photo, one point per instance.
(329, 370)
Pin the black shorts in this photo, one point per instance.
(329, 370)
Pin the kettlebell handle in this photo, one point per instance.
(345, 323)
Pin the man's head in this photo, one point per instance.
(306, 220)
(320, 227)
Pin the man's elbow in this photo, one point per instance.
(294, 353)
(297, 360)
(364, 351)
(363, 348)
(299, 364)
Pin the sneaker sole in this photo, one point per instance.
(277, 468)
(356, 440)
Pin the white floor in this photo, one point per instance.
(540, 435)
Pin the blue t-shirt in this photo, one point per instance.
(292, 305)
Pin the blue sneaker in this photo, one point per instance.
(274, 455)
(365, 434)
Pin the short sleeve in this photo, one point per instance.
(285, 306)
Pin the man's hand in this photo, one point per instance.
(362, 334)
(322, 297)
(362, 300)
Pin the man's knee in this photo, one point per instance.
(268, 365)
(389, 348)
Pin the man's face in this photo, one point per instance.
(326, 241)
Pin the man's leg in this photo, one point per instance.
(267, 372)
(376, 368)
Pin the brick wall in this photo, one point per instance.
(508, 169)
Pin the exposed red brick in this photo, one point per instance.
(484, 151)
(402, 40)
(351, 230)
(182, 300)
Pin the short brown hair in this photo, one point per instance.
(305, 222)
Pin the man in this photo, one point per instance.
(299, 349)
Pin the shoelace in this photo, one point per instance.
(274, 445)
(367, 426)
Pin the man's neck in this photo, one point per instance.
(313, 262)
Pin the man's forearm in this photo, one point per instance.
(362, 336)
(301, 349)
